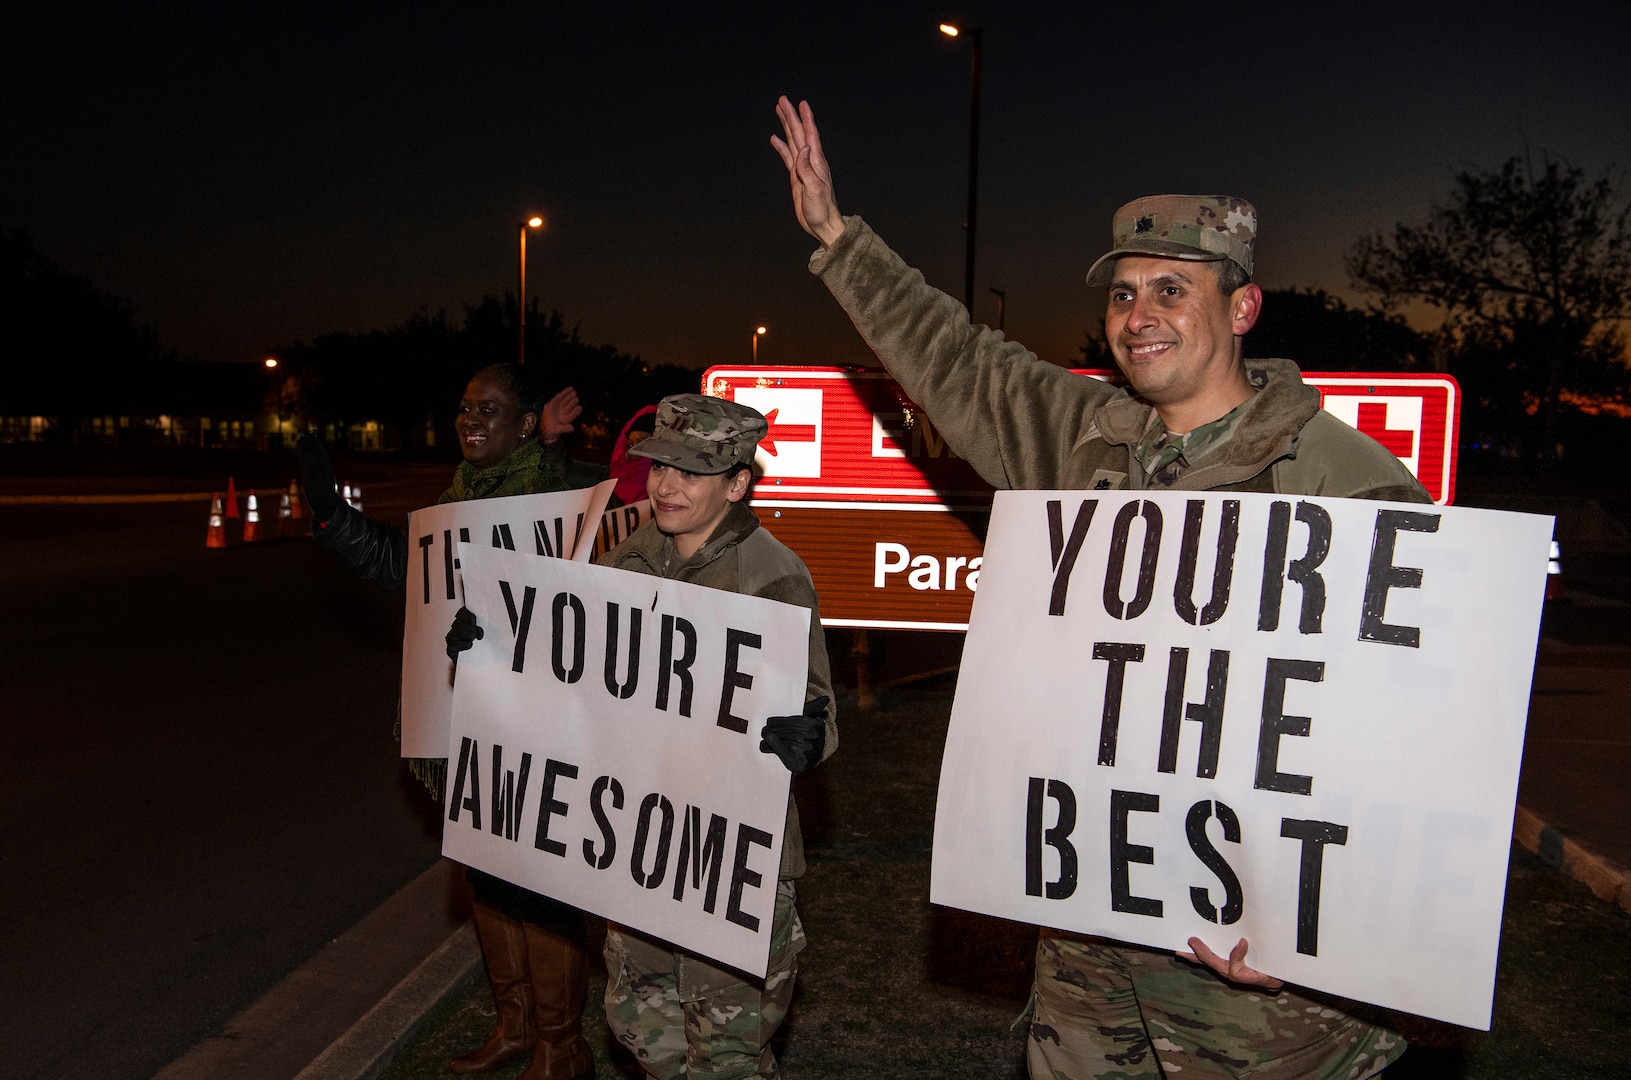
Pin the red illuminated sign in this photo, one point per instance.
(858, 481)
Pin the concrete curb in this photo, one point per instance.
(372, 1043)
(1607, 879)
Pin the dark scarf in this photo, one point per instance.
(524, 472)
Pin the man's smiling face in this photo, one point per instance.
(1173, 333)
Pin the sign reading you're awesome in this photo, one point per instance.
(1295, 720)
(605, 746)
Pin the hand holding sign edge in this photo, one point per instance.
(797, 740)
(1234, 969)
(463, 633)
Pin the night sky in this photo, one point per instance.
(249, 175)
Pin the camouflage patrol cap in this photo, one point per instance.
(1203, 228)
(704, 435)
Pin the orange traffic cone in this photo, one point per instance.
(232, 499)
(255, 530)
(296, 510)
(216, 537)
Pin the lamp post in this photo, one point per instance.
(534, 222)
(1002, 304)
(976, 40)
(758, 332)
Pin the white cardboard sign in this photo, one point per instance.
(548, 524)
(1292, 719)
(618, 524)
(605, 746)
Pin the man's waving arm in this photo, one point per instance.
(807, 169)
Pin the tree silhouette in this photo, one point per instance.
(1533, 272)
(66, 350)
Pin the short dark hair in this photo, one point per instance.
(1231, 275)
(521, 382)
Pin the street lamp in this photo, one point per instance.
(758, 332)
(1002, 304)
(270, 362)
(976, 36)
(534, 222)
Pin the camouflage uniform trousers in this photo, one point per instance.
(680, 1015)
(1120, 1012)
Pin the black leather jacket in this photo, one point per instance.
(377, 552)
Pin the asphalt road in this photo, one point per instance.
(201, 784)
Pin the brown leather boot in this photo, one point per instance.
(559, 968)
(504, 947)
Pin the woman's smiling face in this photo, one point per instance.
(491, 421)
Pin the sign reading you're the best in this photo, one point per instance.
(1294, 720)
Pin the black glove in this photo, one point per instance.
(463, 633)
(317, 477)
(797, 740)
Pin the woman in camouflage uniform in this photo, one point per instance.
(679, 1014)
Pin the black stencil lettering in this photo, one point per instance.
(509, 795)
(541, 539)
(626, 690)
(1115, 679)
(1117, 562)
(1276, 724)
(702, 852)
(741, 876)
(502, 537)
(1207, 713)
(642, 832)
(735, 641)
(1234, 901)
(1035, 788)
(557, 655)
(1056, 837)
(1384, 575)
(1274, 566)
(670, 665)
(1122, 852)
(1303, 571)
(1065, 551)
(458, 800)
(608, 850)
(549, 806)
(425, 543)
(449, 563)
(1223, 569)
(520, 622)
(1314, 836)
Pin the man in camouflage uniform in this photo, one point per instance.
(1195, 416)
(679, 1014)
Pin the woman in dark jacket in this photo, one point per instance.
(534, 946)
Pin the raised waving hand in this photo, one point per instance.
(807, 169)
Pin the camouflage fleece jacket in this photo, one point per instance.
(1025, 423)
(741, 557)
